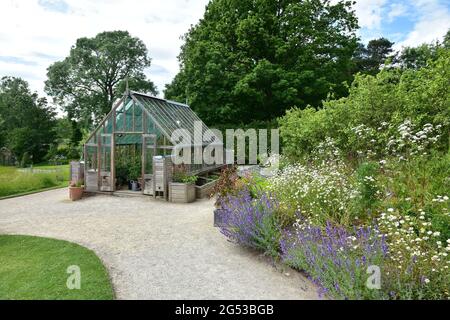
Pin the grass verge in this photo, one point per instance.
(15, 181)
(35, 268)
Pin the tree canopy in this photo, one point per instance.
(369, 59)
(93, 76)
(251, 60)
(27, 126)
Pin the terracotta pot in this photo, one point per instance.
(75, 193)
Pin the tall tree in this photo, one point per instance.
(93, 76)
(252, 59)
(369, 59)
(418, 57)
(28, 122)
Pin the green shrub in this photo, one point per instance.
(358, 122)
(368, 190)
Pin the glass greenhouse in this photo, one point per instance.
(139, 129)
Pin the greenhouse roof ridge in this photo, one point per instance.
(161, 99)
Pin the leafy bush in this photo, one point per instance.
(379, 157)
(417, 267)
(320, 192)
(357, 122)
(26, 160)
(227, 184)
(181, 175)
(368, 190)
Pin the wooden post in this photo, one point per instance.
(85, 166)
(113, 165)
(99, 161)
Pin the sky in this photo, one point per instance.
(36, 33)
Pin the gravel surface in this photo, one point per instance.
(154, 249)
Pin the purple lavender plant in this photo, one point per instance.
(336, 259)
(251, 222)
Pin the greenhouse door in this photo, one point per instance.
(106, 179)
(148, 151)
(91, 167)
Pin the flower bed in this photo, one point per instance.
(375, 227)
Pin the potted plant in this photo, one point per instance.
(182, 187)
(76, 189)
(134, 174)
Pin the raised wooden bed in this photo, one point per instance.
(204, 190)
(181, 192)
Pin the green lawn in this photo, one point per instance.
(15, 181)
(36, 268)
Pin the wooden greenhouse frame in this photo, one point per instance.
(145, 122)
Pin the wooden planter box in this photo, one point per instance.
(181, 192)
(204, 191)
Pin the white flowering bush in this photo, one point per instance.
(408, 141)
(396, 186)
(418, 260)
(322, 192)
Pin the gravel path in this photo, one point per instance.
(155, 249)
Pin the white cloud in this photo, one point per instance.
(43, 34)
(369, 13)
(397, 10)
(432, 23)
(39, 35)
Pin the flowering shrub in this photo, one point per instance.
(408, 141)
(418, 260)
(336, 259)
(321, 192)
(251, 222)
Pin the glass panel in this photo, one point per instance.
(91, 158)
(108, 126)
(137, 118)
(105, 156)
(119, 119)
(93, 139)
(149, 153)
(129, 117)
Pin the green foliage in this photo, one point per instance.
(227, 184)
(28, 123)
(180, 175)
(321, 192)
(128, 164)
(26, 160)
(368, 190)
(251, 60)
(185, 178)
(88, 81)
(35, 268)
(135, 170)
(422, 96)
(368, 60)
(255, 184)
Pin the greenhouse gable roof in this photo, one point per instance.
(169, 115)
